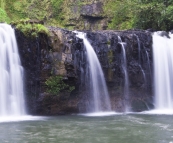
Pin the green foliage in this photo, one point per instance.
(122, 14)
(57, 14)
(149, 16)
(16, 9)
(3, 16)
(2, 4)
(39, 9)
(155, 14)
(167, 18)
(56, 84)
(30, 29)
(142, 14)
(48, 11)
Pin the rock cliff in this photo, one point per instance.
(86, 15)
(62, 53)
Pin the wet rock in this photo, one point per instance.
(139, 63)
(62, 53)
(164, 33)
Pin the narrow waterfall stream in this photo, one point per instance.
(139, 59)
(163, 73)
(126, 77)
(11, 71)
(97, 84)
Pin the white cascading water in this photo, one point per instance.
(139, 59)
(11, 75)
(97, 80)
(126, 77)
(163, 73)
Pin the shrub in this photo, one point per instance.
(56, 84)
(149, 16)
(121, 13)
(167, 18)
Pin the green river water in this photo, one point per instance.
(130, 128)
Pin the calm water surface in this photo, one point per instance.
(81, 129)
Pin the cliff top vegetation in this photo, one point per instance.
(120, 14)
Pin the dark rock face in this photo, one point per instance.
(63, 54)
(42, 57)
(93, 10)
(30, 53)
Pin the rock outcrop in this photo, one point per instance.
(86, 15)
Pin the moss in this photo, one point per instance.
(30, 29)
(46, 10)
(110, 56)
(108, 43)
(57, 14)
(61, 13)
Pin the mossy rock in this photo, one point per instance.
(30, 27)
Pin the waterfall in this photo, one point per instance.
(139, 59)
(97, 84)
(11, 71)
(126, 77)
(163, 72)
(148, 61)
(139, 49)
